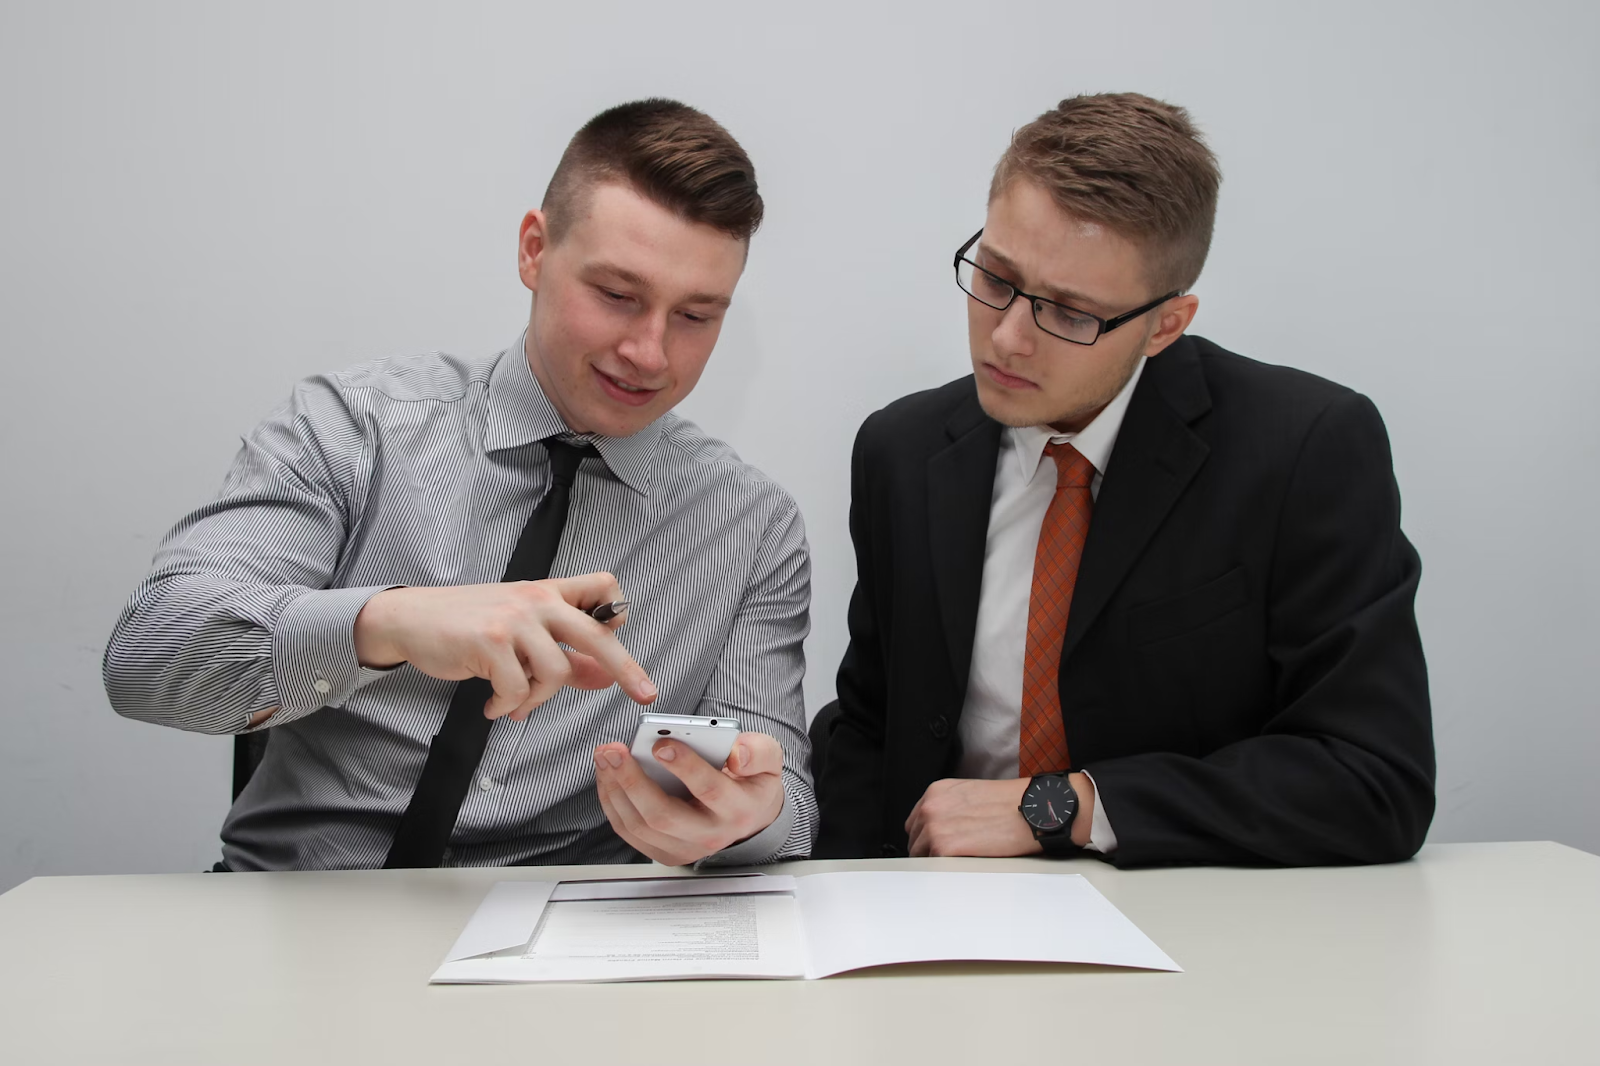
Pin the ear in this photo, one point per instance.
(532, 242)
(1173, 318)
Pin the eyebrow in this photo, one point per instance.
(629, 278)
(1077, 300)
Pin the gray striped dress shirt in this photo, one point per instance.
(422, 471)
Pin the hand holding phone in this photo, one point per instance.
(710, 738)
(733, 794)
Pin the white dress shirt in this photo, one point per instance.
(1024, 484)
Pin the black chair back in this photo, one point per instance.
(248, 750)
(821, 731)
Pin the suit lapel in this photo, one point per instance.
(1155, 458)
(960, 491)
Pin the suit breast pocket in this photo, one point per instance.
(1188, 611)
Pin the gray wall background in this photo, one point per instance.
(203, 202)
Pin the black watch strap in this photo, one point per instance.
(1058, 845)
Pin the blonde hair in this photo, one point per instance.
(1136, 165)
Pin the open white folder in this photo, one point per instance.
(809, 926)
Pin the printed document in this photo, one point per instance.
(808, 926)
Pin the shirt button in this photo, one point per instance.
(322, 686)
(939, 727)
(486, 782)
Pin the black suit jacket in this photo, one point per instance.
(1241, 674)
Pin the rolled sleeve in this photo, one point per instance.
(764, 846)
(236, 616)
(314, 660)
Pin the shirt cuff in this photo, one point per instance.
(759, 848)
(1101, 836)
(314, 662)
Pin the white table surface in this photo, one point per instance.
(1472, 953)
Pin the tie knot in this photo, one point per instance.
(1073, 471)
(565, 457)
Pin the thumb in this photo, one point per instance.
(754, 754)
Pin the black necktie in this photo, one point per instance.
(454, 755)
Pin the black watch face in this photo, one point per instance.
(1049, 803)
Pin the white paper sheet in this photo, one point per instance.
(808, 926)
(874, 918)
(505, 919)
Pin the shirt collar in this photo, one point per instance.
(519, 413)
(1094, 442)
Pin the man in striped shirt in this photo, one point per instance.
(347, 578)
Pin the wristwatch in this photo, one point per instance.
(1048, 806)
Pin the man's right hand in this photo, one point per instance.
(506, 633)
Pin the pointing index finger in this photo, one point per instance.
(575, 628)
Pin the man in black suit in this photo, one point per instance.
(1122, 590)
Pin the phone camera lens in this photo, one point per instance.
(664, 732)
(713, 721)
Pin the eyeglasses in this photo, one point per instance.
(1056, 319)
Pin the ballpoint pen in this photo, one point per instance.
(605, 612)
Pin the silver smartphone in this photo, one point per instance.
(710, 738)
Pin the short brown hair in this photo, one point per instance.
(669, 153)
(1135, 165)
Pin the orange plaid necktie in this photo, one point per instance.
(1043, 747)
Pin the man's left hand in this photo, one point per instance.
(958, 816)
(725, 806)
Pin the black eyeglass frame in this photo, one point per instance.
(1106, 324)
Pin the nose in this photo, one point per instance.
(1014, 334)
(645, 347)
